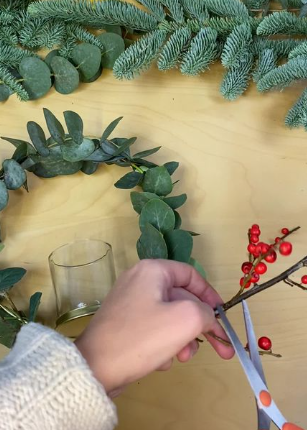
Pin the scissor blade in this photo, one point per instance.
(264, 422)
(262, 395)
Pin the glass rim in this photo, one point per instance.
(51, 259)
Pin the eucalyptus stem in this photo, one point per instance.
(13, 314)
(261, 287)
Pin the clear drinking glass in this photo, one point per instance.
(82, 274)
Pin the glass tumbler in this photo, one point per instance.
(82, 274)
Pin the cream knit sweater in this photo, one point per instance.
(45, 384)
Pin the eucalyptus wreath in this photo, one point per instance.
(66, 152)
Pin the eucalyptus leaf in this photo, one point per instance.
(198, 267)
(20, 153)
(94, 77)
(54, 126)
(176, 201)
(171, 166)
(144, 163)
(178, 221)
(119, 141)
(87, 59)
(27, 164)
(179, 244)
(192, 233)
(8, 329)
(73, 152)
(54, 165)
(158, 214)
(9, 277)
(111, 127)
(139, 200)
(89, 167)
(74, 125)
(147, 153)
(99, 156)
(17, 143)
(36, 75)
(303, 11)
(35, 300)
(151, 244)
(66, 76)
(4, 195)
(108, 147)
(49, 57)
(114, 46)
(158, 181)
(112, 29)
(38, 138)
(14, 174)
(124, 146)
(130, 180)
(5, 93)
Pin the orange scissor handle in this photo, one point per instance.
(289, 426)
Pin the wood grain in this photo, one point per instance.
(239, 165)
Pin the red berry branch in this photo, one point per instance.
(261, 253)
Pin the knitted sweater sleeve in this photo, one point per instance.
(46, 384)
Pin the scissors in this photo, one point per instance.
(266, 408)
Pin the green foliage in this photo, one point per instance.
(283, 75)
(236, 46)
(179, 245)
(154, 7)
(297, 115)
(301, 49)
(158, 214)
(14, 174)
(175, 9)
(35, 300)
(282, 23)
(151, 244)
(158, 181)
(266, 63)
(231, 8)
(202, 52)
(195, 9)
(138, 57)
(174, 48)
(236, 80)
(7, 77)
(4, 195)
(10, 277)
(113, 46)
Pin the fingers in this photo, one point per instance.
(188, 351)
(166, 366)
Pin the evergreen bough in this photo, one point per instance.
(185, 34)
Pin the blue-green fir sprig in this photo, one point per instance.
(266, 62)
(174, 9)
(231, 8)
(237, 78)
(236, 45)
(196, 9)
(155, 8)
(297, 115)
(300, 49)
(282, 23)
(202, 52)
(174, 48)
(8, 79)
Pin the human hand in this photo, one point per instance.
(154, 313)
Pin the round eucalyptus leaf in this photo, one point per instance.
(158, 181)
(179, 244)
(89, 167)
(94, 78)
(14, 174)
(73, 152)
(66, 77)
(87, 59)
(112, 29)
(36, 75)
(158, 214)
(49, 57)
(114, 46)
(54, 165)
(4, 195)
(151, 244)
(5, 93)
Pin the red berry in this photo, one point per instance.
(255, 231)
(304, 279)
(285, 230)
(271, 257)
(285, 248)
(260, 268)
(265, 247)
(246, 267)
(254, 238)
(251, 248)
(255, 278)
(255, 226)
(265, 343)
(242, 281)
(277, 239)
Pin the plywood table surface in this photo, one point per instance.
(239, 165)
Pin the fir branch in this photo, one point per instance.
(39, 33)
(154, 7)
(95, 14)
(171, 26)
(266, 63)
(195, 9)
(67, 47)
(79, 33)
(229, 8)
(236, 80)
(237, 43)
(10, 81)
(174, 48)
(202, 52)
(282, 23)
(297, 115)
(8, 35)
(224, 26)
(175, 9)
(6, 16)
(301, 49)
(257, 4)
(139, 56)
(281, 48)
(12, 56)
(285, 74)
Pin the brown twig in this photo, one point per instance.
(294, 284)
(261, 287)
